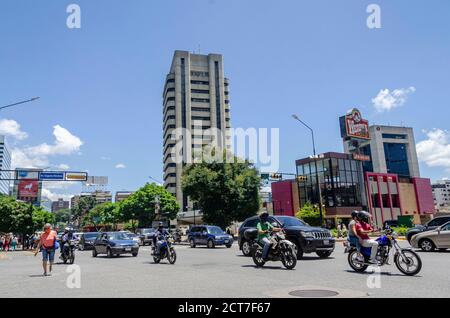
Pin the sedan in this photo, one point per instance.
(430, 240)
(114, 243)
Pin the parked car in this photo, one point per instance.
(87, 240)
(428, 241)
(209, 235)
(146, 235)
(133, 236)
(306, 238)
(114, 243)
(431, 225)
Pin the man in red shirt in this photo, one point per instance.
(363, 228)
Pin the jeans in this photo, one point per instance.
(374, 247)
(266, 248)
(158, 246)
(48, 255)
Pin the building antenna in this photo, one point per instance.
(199, 49)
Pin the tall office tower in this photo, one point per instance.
(5, 164)
(391, 150)
(196, 99)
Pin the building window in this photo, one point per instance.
(396, 159)
(199, 91)
(394, 136)
(200, 100)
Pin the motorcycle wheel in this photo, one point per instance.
(289, 259)
(356, 265)
(64, 260)
(172, 257)
(257, 257)
(72, 259)
(408, 262)
(156, 259)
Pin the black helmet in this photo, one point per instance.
(160, 225)
(364, 216)
(264, 216)
(354, 214)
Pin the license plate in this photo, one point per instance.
(128, 249)
(326, 242)
(226, 241)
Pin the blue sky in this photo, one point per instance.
(102, 84)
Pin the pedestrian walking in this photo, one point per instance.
(47, 244)
(1, 242)
(14, 243)
(6, 243)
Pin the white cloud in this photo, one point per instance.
(11, 128)
(120, 166)
(63, 166)
(52, 196)
(65, 144)
(435, 150)
(387, 100)
(37, 156)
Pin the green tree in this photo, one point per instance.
(224, 191)
(106, 214)
(140, 207)
(310, 214)
(84, 205)
(20, 217)
(63, 216)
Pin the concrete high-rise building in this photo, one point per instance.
(60, 205)
(195, 98)
(390, 149)
(5, 164)
(122, 195)
(441, 193)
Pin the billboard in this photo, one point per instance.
(76, 176)
(354, 126)
(27, 174)
(28, 188)
(97, 180)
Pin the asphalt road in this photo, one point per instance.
(218, 272)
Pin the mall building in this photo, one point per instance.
(377, 172)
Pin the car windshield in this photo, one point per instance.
(215, 230)
(290, 221)
(145, 231)
(118, 236)
(130, 235)
(90, 235)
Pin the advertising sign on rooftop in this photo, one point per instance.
(354, 126)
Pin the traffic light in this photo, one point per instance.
(302, 178)
(276, 176)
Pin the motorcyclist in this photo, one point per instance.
(66, 237)
(264, 228)
(363, 228)
(159, 237)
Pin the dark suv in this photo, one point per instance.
(431, 225)
(146, 235)
(306, 238)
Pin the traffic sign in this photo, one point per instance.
(51, 176)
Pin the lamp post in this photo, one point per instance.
(18, 103)
(315, 164)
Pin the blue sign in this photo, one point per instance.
(51, 176)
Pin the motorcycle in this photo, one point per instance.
(281, 249)
(166, 251)
(407, 261)
(68, 252)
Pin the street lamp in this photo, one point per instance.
(315, 164)
(18, 103)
